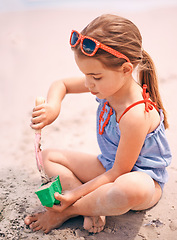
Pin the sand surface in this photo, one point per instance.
(34, 51)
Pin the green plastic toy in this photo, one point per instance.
(46, 193)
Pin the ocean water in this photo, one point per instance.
(123, 5)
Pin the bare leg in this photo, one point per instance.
(134, 190)
(74, 169)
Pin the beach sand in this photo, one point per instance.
(34, 51)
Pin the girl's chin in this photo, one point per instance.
(98, 95)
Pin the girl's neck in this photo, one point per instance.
(127, 94)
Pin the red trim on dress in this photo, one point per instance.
(101, 131)
(148, 106)
(148, 103)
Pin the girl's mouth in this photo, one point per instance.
(94, 93)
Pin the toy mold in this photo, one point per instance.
(46, 193)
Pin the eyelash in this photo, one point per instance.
(97, 78)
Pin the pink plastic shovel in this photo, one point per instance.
(37, 144)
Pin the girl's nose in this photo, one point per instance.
(89, 83)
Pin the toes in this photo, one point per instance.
(34, 225)
(46, 231)
(94, 229)
(94, 224)
(91, 230)
(37, 228)
(88, 223)
(29, 219)
(100, 228)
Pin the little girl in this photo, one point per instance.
(130, 172)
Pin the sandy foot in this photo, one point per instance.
(94, 224)
(48, 220)
(45, 221)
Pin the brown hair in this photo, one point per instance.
(122, 35)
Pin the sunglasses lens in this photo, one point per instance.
(88, 46)
(74, 38)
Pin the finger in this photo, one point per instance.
(37, 113)
(55, 208)
(36, 120)
(39, 107)
(37, 126)
(58, 196)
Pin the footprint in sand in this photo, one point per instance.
(173, 225)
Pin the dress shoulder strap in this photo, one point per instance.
(148, 103)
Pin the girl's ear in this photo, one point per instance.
(127, 68)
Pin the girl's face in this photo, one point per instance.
(101, 81)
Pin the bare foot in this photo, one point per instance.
(45, 221)
(94, 224)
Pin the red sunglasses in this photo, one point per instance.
(89, 46)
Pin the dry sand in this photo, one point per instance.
(34, 51)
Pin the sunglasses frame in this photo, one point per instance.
(98, 45)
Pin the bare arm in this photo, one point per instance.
(132, 138)
(133, 133)
(45, 114)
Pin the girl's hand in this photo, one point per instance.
(43, 115)
(65, 199)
